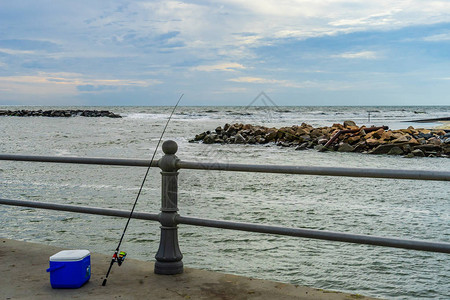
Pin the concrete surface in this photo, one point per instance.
(23, 270)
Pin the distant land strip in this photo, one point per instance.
(429, 120)
(59, 113)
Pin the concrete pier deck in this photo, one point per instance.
(23, 267)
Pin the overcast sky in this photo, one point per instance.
(299, 52)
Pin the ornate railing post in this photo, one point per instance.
(169, 257)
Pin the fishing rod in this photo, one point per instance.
(119, 256)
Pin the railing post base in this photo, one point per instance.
(168, 258)
(169, 268)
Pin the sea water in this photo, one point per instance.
(383, 207)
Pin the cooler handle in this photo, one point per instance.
(51, 269)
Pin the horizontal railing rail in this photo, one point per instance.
(169, 257)
(322, 171)
(280, 169)
(321, 234)
(81, 160)
(251, 227)
(81, 209)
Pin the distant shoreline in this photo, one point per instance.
(429, 120)
(65, 113)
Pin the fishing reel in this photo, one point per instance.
(119, 258)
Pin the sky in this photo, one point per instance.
(299, 52)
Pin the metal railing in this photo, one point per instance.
(169, 257)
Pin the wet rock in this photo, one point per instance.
(395, 151)
(338, 126)
(353, 139)
(425, 135)
(373, 142)
(200, 137)
(305, 138)
(320, 148)
(386, 135)
(349, 123)
(446, 149)
(251, 140)
(261, 140)
(434, 141)
(271, 135)
(302, 131)
(402, 139)
(360, 147)
(427, 148)
(239, 139)
(231, 130)
(375, 134)
(407, 148)
(315, 133)
(302, 146)
(321, 141)
(413, 141)
(344, 147)
(258, 131)
(209, 139)
(382, 149)
(283, 144)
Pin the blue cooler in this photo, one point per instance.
(70, 269)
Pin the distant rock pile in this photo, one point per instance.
(59, 113)
(346, 137)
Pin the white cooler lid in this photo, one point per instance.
(69, 255)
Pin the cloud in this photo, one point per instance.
(68, 84)
(15, 52)
(309, 18)
(229, 90)
(438, 37)
(220, 67)
(94, 88)
(357, 55)
(253, 80)
(282, 83)
(377, 19)
(323, 85)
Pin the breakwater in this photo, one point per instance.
(346, 137)
(59, 113)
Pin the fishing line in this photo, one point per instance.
(119, 257)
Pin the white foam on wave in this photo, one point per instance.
(144, 116)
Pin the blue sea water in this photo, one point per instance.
(383, 207)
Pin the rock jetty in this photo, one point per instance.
(346, 137)
(59, 113)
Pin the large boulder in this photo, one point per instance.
(349, 124)
(395, 151)
(418, 152)
(271, 135)
(402, 139)
(210, 138)
(382, 149)
(239, 139)
(344, 147)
